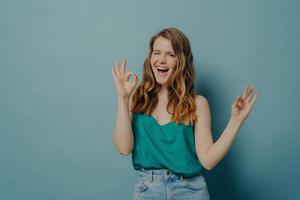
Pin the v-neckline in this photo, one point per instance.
(165, 124)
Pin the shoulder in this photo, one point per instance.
(202, 110)
(202, 106)
(200, 101)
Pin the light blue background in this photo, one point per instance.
(58, 99)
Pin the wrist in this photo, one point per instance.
(123, 98)
(236, 122)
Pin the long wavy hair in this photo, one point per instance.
(181, 95)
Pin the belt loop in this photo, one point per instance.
(181, 177)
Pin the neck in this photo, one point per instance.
(163, 94)
(163, 91)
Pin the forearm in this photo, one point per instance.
(220, 148)
(123, 136)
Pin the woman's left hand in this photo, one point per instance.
(242, 106)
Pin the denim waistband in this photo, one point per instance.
(163, 173)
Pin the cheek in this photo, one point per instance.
(172, 70)
(152, 60)
(173, 63)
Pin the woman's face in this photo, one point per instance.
(163, 60)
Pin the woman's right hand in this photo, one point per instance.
(121, 77)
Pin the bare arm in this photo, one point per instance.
(123, 135)
(208, 152)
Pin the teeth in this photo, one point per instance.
(163, 68)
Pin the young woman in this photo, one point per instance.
(166, 126)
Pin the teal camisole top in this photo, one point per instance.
(169, 146)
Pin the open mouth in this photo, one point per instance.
(162, 70)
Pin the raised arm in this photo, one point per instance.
(123, 136)
(208, 152)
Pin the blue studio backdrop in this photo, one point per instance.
(58, 99)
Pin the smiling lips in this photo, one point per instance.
(162, 70)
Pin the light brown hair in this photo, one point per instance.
(181, 96)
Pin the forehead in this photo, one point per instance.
(162, 44)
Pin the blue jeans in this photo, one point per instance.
(163, 184)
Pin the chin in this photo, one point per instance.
(161, 82)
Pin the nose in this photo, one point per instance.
(162, 59)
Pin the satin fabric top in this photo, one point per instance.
(168, 146)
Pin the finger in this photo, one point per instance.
(239, 101)
(246, 91)
(239, 98)
(113, 71)
(117, 68)
(123, 68)
(250, 93)
(128, 75)
(234, 103)
(253, 100)
(252, 103)
(136, 77)
(240, 104)
(114, 75)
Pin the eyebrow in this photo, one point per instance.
(167, 51)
